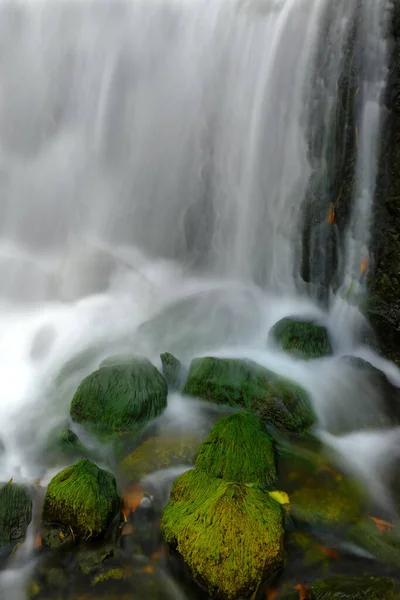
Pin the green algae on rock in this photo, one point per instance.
(229, 535)
(160, 452)
(83, 497)
(171, 368)
(116, 397)
(304, 339)
(353, 588)
(15, 512)
(243, 383)
(238, 450)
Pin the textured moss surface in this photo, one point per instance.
(229, 535)
(353, 588)
(117, 396)
(171, 368)
(238, 450)
(303, 339)
(246, 384)
(15, 512)
(160, 453)
(83, 497)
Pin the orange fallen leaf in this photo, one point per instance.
(303, 589)
(127, 529)
(38, 540)
(131, 500)
(383, 526)
(364, 264)
(158, 554)
(272, 594)
(331, 213)
(329, 552)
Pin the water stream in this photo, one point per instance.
(155, 156)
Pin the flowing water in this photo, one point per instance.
(154, 163)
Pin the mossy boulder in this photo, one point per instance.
(303, 339)
(237, 449)
(229, 535)
(381, 540)
(353, 588)
(116, 397)
(83, 497)
(15, 513)
(171, 369)
(242, 383)
(160, 452)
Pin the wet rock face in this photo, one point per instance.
(384, 282)
(15, 513)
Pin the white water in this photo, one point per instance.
(154, 151)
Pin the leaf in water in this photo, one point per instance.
(272, 593)
(303, 589)
(329, 552)
(331, 213)
(279, 496)
(382, 526)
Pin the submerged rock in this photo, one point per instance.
(160, 452)
(230, 535)
(246, 384)
(83, 497)
(353, 588)
(171, 368)
(303, 339)
(380, 539)
(15, 513)
(64, 443)
(237, 449)
(116, 397)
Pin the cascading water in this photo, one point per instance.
(157, 156)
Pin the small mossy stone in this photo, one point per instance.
(83, 497)
(171, 368)
(160, 452)
(116, 397)
(383, 545)
(238, 450)
(15, 513)
(243, 383)
(353, 588)
(229, 535)
(303, 339)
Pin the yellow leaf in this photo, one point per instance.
(62, 536)
(281, 497)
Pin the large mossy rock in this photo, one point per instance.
(229, 535)
(171, 369)
(303, 339)
(242, 383)
(83, 497)
(353, 588)
(116, 397)
(381, 542)
(15, 513)
(237, 449)
(160, 452)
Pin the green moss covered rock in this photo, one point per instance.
(229, 535)
(304, 339)
(353, 588)
(116, 397)
(15, 513)
(383, 545)
(160, 452)
(238, 450)
(83, 497)
(171, 368)
(246, 384)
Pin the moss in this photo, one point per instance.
(33, 589)
(246, 384)
(57, 537)
(385, 546)
(171, 368)
(118, 396)
(229, 535)
(304, 339)
(160, 453)
(82, 497)
(89, 558)
(15, 512)
(353, 588)
(238, 450)
(116, 574)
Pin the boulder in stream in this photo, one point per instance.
(229, 535)
(15, 513)
(303, 339)
(117, 397)
(171, 368)
(83, 497)
(243, 383)
(353, 588)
